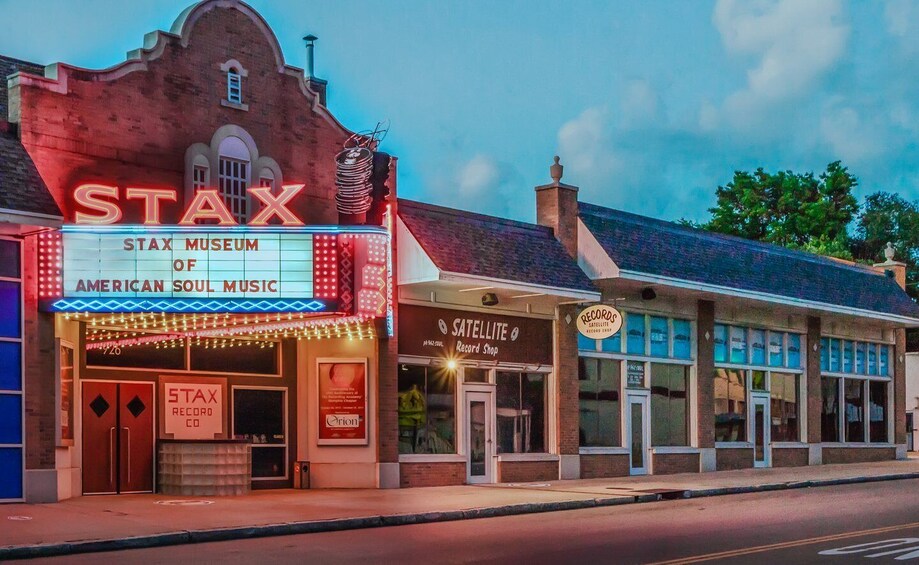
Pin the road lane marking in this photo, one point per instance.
(784, 545)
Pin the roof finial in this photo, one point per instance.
(556, 170)
(889, 252)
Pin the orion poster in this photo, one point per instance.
(342, 401)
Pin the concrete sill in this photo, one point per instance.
(858, 445)
(674, 450)
(525, 457)
(432, 458)
(227, 104)
(733, 445)
(603, 451)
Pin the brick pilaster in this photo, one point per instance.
(567, 387)
(812, 376)
(899, 387)
(705, 382)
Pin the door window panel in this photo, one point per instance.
(598, 401)
(783, 411)
(669, 405)
(730, 405)
(855, 410)
(877, 394)
(829, 413)
(258, 416)
(521, 412)
(427, 409)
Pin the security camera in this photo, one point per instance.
(489, 299)
(648, 293)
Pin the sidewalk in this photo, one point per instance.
(119, 522)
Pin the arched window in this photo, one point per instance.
(234, 86)
(233, 176)
(200, 173)
(266, 178)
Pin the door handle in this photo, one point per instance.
(127, 429)
(111, 455)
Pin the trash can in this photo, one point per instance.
(302, 474)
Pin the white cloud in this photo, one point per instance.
(901, 18)
(640, 104)
(794, 44)
(584, 145)
(477, 176)
(852, 138)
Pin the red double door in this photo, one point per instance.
(117, 437)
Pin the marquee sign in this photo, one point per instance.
(129, 268)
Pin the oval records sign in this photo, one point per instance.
(599, 322)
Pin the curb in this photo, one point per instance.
(319, 526)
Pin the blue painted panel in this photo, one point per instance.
(10, 472)
(10, 309)
(10, 418)
(10, 366)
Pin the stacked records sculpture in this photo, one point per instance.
(355, 166)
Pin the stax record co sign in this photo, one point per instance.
(599, 322)
(456, 334)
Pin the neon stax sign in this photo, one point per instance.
(102, 203)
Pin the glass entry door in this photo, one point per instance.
(480, 444)
(638, 433)
(761, 431)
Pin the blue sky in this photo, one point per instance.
(651, 104)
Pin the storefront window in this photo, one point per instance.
(847, 355)
(872, 359)
(612, 344)
(427, 409)
(258, 416)
(227, 355)
(598, 401)
(794, 351)
(877, 395)
(635, 328)
(660, 337)
(776, 349)
(758, 347)
(682, 339)
(883, 365)
(829, 413)
(738, 345)
(721, 344)
(783, 391)
(161, 355)
(475, 375)
(730, 405)
(834, 355)
(854, 391)
(860, 367)
(521, 412)
(758, 380)
(669, 404)
(824, 354)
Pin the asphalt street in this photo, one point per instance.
(875, 522)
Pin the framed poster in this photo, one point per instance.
(65, 393)
(342, 401)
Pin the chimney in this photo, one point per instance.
(557, 208)
(891, 268)
(316, 84)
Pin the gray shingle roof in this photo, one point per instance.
(21, 187)
(486, 246)
(657, 247)
(8, 66)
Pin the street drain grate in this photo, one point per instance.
(184, 502)
(529, 485)
(663, 493)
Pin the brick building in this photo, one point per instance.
(199, 263)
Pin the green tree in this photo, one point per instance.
(803, 211)
(884, 218)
